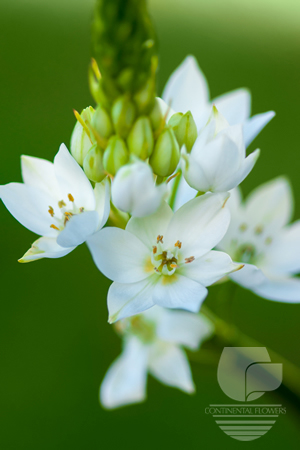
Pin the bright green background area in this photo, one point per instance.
(55, 342)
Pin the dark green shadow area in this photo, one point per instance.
(56, 344)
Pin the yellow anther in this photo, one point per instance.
(61, 204)
(54, 227)
(174, 266)
(160, 239)
(178, 244)
(154, 249)
(189, 260)
(259, 229)
(68, 213)
(70, 197)
(51, 211)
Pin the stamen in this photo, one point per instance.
(156, 270)
(154, 249)
(174, 266)
(178, 244)
(70, 197)
(61, 204)
(243, 227)
(51, 211)
(160, 239)
(189, 260)
(259, 229)
(81, 209)
(54, 227)
(68, 213)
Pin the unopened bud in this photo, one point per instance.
(101, 124)
(166, 154)
(140, 140)
(115, 156)
(123, 115)
(93, 166)
(81, 140)
(145, 97)
(185, 129)
(156, 116)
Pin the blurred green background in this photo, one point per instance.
(56, 344)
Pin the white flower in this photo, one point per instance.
(134, 190)
(187, 90)
(152, 343)
(259, 236)
(165, 258)
(57, 202)
(218, 162)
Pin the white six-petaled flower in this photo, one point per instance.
(218, 162)
(187, 90)
(259, 236)
(57, 202)
(165, 258)
(152, 342)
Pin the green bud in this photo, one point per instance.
(123, 115)
(145, 97)
(140, 140)
(81, 141)
(93, 166)
(185, 129)
(166, 154)
(156, 117)
(101, 124)
(115, 156)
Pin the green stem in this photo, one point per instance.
(230, 335)
(174, 190)
(117, 218)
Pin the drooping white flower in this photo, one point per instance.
(57, 202)
(134, 190)
(218, 162)
(187, 90)
(165, 258)
(260, 237)
(153, 343)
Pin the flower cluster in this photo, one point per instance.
(153, 191)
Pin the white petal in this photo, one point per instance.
(72, 179)
(199, 224)
(78, 229)
(209, 268)
(120, 255)
(102, 197)
(44, 247)
(134, 190)
(125, 300)
(125, 380)
(235, 106)
(182, 327)
(166, 110)
(282, 290)
(255, 124)
(39, 173)
(170, 365)
(178, 292)
(283, 254)
(271, 204)
(241, 174)
(249, 277)
(148, 228)
(187, 90)
(29, 206)
(184, 193)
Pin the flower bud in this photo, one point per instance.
(185, 129)
(115, 156)
(166, 154)
(145, 97)
(123, 115)
(101, 124)
(93, 166)
(156, 116)
(81, 140)
(140, 140)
